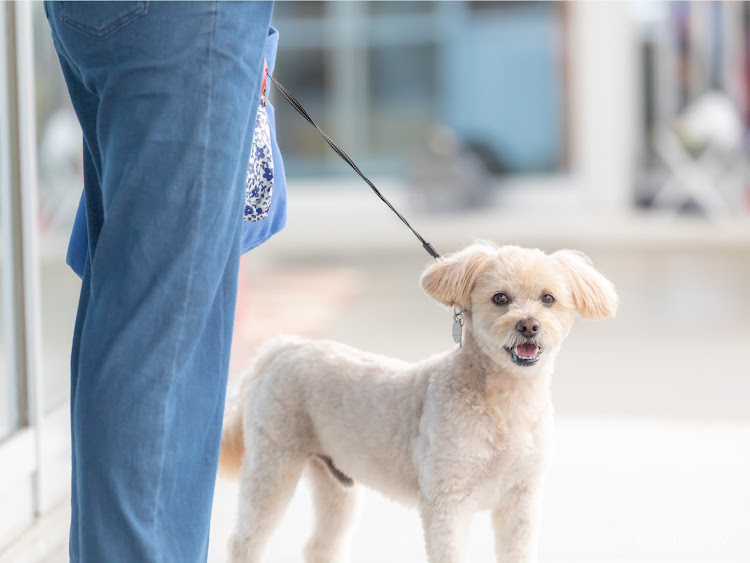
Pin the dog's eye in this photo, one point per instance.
(500, 299)
(547, 299)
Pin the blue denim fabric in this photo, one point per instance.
(253, 234)
(166, 94)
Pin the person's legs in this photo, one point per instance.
(166, 94)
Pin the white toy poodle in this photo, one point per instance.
(460, 432)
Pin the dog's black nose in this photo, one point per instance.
(528, 327)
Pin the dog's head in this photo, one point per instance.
(520, 302)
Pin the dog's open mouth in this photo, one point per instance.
(526, 354)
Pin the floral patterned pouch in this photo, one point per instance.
(259, 176)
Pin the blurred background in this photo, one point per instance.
(620, 129)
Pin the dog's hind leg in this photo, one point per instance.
(335, 499)
(268, 479)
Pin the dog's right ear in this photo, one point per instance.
(450, 280)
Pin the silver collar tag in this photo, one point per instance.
(458, 325)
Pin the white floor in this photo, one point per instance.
(618, 490)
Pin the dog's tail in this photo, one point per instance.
(232, 438)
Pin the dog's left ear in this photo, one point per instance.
(593, 294)
(450, 280)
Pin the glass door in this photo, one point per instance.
(29, 486)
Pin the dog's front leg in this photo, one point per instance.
(446, 525)
(516, 523)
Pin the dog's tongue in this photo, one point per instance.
(526, 350)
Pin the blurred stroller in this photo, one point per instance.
(704, 151)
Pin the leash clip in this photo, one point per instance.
(263, 91)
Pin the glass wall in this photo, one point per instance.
(381, 77)
(18, 445)
(40, 183)
(9, 395)
(9, 416)
(60, 180)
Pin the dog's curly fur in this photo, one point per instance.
(460, 432)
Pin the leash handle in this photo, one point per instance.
(296, 105)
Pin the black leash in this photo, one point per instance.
(296, 105)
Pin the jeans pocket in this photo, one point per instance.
(101, 19)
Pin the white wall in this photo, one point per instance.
(604, 120)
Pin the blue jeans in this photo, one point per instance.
(166, 94)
